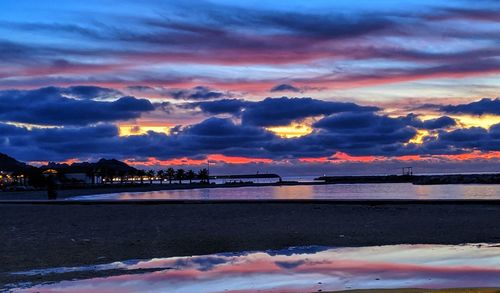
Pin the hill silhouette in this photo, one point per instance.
(85, 167)
(10, 164)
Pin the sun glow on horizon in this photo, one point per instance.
(293, 130)
(129, 130)
(420, 136)
(484, 121)
(467, 121)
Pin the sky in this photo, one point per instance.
(309, 87)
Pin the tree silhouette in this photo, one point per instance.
(160, 174)
(203, 175)
(179, 175)
(170, 175)
(190, 175)
(151, 175)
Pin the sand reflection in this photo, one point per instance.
(304, 269)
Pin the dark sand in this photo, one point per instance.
(42, 235)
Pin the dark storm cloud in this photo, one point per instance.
(284, 88)
(441, 122)
(196, 93)
(495, 131)
(224, 106)
(276, 111)
(430, 124)
(60, 143)
(483, 106)
(284, 110)
(50, 106)
(363, 133)
(85, 130)
(466, 139)
(353, 133)
(213, 135)
(216, 134)
(469, 135)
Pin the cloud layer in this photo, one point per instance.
(228, 46)
(83, 125)
(52, 106)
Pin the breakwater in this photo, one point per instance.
(492, 178)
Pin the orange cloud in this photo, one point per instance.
(346, 158)
(213, 159)
(473, 156)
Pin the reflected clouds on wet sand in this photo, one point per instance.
(300, 269)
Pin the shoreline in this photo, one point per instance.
(108, 189)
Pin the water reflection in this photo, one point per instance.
(303, 269)
(339, 191)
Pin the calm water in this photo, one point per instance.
(339, 191)
(302, 269)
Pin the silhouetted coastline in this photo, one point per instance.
(493, 178)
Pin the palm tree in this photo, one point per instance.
(151, 175)
(190, 175)
(160, 174)
(170, 175)
(141, 174)
(203, 175)
(179, 175)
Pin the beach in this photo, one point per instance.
(54, 234)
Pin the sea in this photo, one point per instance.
(330, 191)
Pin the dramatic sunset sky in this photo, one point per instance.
(305, 87)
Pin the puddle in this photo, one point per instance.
(298, 269)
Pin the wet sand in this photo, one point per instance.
(42, 235)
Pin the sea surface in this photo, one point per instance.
(295, 269)
(332, 191)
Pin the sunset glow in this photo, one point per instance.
(283, 85)
(128, 130)
(291, 131)
(421, 134)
